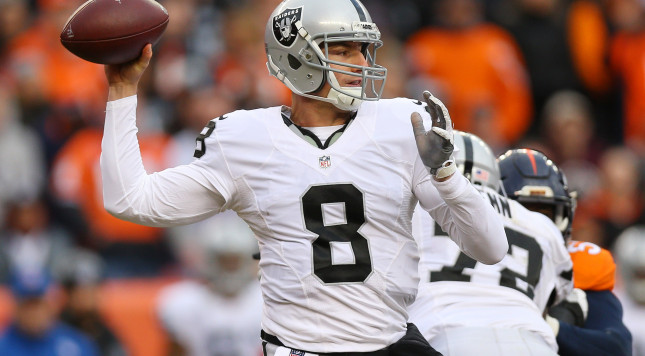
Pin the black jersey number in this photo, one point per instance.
(200, 144)
(313, 202)
(522, 248)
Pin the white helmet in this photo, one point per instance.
(296, 41)
(630, 256)
(475, 160)
(221, 251)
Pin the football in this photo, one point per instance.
(113, 31)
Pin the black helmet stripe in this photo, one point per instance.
(359, 9)
(468, 152)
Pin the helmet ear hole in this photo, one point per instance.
(294, 63)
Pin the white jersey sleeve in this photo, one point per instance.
(177, 196)
(467, 217)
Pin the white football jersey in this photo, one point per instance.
(633, 318)
(339, 263)
(510, 294)
(206, 324)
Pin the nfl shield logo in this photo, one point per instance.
(296, 353)
(325, 161)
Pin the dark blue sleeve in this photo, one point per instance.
(604, 333)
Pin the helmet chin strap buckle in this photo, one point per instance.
(342, 100)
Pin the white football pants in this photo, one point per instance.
(490, 342)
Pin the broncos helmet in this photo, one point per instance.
(296, 40)
(532, 179)
(476, 160)
(630, 257)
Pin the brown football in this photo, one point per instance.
(113, 31)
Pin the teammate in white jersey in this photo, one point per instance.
(467, 308)
(332, 213)
(218, 312)
(589, 320)
(630, 257)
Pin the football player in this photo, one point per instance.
(468, 308)
(328, 185)
(218, 313)
(630, 256)
(588, 322)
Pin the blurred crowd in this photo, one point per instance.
(566, 77)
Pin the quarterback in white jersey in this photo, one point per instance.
(459, 296)
(333, 218)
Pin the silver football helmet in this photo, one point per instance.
(630, 256)
(296, 41)
(227, 246)
(475, 160)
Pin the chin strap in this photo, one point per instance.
(342, 100)
(337, 98)
(562, 223)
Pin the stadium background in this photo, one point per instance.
(562, 76)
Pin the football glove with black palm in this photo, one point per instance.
(435, 145)
(572, 310)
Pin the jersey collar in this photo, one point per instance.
(309, 136)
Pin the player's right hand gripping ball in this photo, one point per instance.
(113, 31)
(436, 145)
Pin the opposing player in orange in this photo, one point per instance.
(590, 321)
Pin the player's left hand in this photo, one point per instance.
(436, 145)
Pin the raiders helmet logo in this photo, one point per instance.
(284, 26)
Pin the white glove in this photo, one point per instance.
(553, 323)
(578, 297)
(436, 145)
